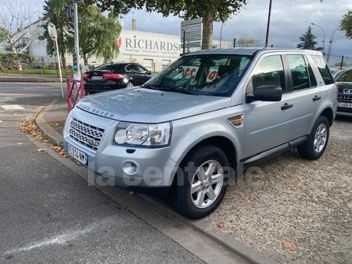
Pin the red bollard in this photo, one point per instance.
(75, 91)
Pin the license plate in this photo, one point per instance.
(97, 78)
(77, 154)
(344, 105)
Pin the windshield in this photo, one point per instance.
(216, 75)
(345, 76)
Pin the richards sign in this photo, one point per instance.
(148, 44)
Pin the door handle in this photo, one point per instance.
(316, 98)
(286, 106)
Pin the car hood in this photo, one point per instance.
(150, 106)
(344, 85)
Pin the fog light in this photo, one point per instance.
(130, 167)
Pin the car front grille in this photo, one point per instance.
(85, 134)
(344, 98)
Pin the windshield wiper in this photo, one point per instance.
(174, 90)
(149, 86)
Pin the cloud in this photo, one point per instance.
(290, 19)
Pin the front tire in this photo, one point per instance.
(318, 140)
(201, 182)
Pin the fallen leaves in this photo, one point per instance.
(29, 126)
(59, 150)
(288, 245)
(220, 224)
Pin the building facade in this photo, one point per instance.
(152, 50)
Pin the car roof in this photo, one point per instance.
(249, 51)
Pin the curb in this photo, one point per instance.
(202, 226)
(46, 129)
(222, 238)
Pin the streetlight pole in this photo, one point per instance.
(76, 37)
(222, 25)
(332, 36)
(324, 34)
(268, 25)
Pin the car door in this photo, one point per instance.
(131, 72)
(303, 94)
(137, 74)
(266, 122)
(143, 73)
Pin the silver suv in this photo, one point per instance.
(194, 124)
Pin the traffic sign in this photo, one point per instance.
(192, 33)
(52, 31)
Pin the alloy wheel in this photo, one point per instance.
(320, 138)
(206, 184)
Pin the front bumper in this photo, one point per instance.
(112, 163)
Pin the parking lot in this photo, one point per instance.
(293, 210)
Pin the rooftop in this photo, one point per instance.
(247, 51)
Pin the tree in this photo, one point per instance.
(15, 16)
(2, 36)
(55, 12)
(209, 10)
(307, 40)
(346, 24)
(97, 33)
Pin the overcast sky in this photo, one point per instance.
(290, 19)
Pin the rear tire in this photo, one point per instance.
(318, 140)
(129, 85)
(201, 182)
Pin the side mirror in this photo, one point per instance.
(149, 72)
(270, 93)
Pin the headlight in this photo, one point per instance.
(153, 135)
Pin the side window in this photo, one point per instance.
(270, 71)
(313, 80)
(106, 67)
(323, 68)
(131, 68)
(299, 71)
(140, 69)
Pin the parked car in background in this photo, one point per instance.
(344, 85)
(195, 124)
(114, 76)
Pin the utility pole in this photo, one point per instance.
(268, 25)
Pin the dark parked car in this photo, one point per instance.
(344, 84)
(115, 76)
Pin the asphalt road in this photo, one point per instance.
(50, 215)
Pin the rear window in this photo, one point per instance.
(116, 68)
(323, 68)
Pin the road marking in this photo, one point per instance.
(65, 237)
(12, 107)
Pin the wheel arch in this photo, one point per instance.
(329, 114)
(223, 142)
